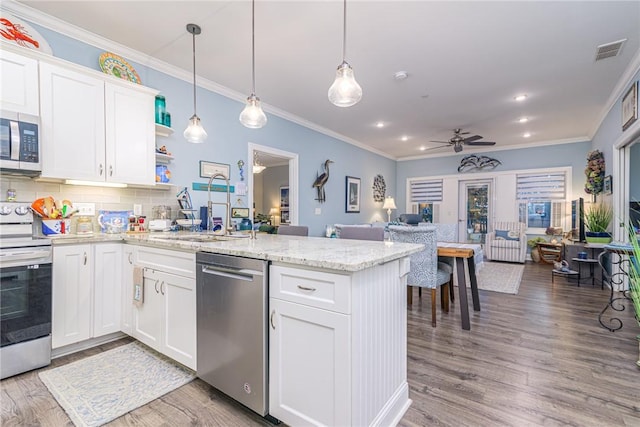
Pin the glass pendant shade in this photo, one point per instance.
(195, 133)
(345, 91)
(252, 116)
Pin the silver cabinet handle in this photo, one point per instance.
(271, 319)
(161, 289)
(85, 258)
(304, 288)
(129, 258)
(101, 169)
(110, 170)
(155, 285)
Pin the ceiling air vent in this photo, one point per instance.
(609, 50)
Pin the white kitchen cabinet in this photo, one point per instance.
(72, 283)
(107, 299)
(309, 357)
(93, 129)
(72, 124)
(148, 318)
(128, 256)
(337, 345)
(130, 135)
(19, 82)
(166, 321)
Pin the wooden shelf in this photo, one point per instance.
(162, 130)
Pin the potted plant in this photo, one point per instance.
(533, 244)
(597, 220)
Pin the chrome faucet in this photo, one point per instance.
(227, 228)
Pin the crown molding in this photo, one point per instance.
(52, 23)
(500, 148)
(622, 85)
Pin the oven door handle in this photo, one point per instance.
(19, 256)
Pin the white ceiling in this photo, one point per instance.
(466, 61)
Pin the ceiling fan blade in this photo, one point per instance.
(433, 148)
(471, 138)
(442, 142)
(481, 143)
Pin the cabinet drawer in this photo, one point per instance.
(313, 288)
(175, 262)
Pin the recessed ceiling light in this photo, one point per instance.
(380, 125)
(520, 98)
(404, 138)
(400, 75)
(526, 135)
(423, 148)
(523, 120)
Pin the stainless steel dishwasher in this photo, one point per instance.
(232, 298)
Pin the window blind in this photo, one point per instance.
(541, 186)
(425, 191)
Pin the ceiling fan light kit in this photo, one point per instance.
(345, 90)
(194, 133)
(252, 116)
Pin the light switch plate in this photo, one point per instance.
(85, 208)
(318, 211)
(137, 209)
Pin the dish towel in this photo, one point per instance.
(138, 285)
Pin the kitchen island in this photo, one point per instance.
(337, 321)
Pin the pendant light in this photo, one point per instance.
(252, 116)
(194, 133)
(345, 91)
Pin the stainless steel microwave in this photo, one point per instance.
(19, 144)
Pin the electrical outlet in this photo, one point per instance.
(318, 211)
(85, 208)
(137, 209)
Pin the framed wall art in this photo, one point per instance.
(209, 168)
(606, 185)
(239, 212)
(630, 106)
(352, 199)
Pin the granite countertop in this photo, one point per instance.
(333, 254)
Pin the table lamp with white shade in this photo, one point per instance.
(389, 204)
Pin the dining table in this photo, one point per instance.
(461, 252)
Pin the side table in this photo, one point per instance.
(591, 263)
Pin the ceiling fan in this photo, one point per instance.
(458, 140)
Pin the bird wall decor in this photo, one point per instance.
(321, 180)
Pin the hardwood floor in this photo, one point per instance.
(536, 358)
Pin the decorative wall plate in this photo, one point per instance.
(15, 30)
(110, 63)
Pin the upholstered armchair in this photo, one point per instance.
(507, 242)
(425, 271)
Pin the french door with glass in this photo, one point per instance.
(475, 209)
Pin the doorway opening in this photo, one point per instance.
(475, 210)
(273, 192)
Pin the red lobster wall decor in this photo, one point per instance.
(17, 33)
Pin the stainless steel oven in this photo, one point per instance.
(25, 293)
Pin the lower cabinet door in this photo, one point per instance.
(72, 283)
(128, 258)
(107, 299)
(147, 318)
(309, 365)
(179, 332)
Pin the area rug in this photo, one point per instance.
(500, 277)
(101, 388)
